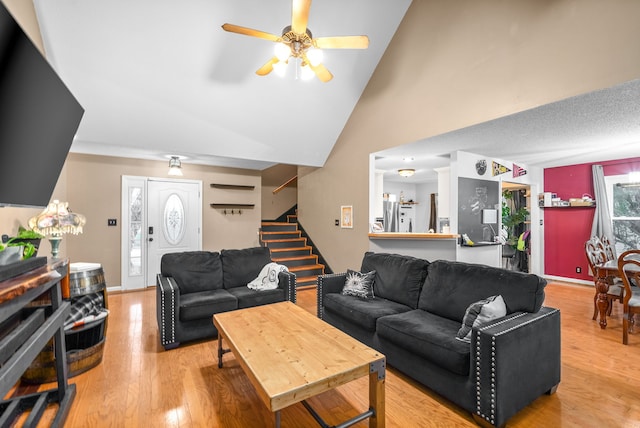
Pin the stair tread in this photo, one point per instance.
(306, 267)
(281, 232)
(288, 259)
(284, 249)
(306, 278)
(276, 223)
(284, 240)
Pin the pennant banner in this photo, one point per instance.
(518, 171)
(499, 169)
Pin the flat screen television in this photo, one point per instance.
(39, 117)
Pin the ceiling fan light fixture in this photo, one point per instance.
(314, 56)
(306, 73)
(406, 172)
(280, 68)
(282, 51)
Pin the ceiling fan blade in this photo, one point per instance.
(300, 15)
(342, 42)
(268, 67)
(251, 32)
(321, 71)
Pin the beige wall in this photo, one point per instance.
(273, 206)
(94, 187)
(455, 64)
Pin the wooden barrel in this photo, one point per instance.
(84, 351)
(85, 344)
(85, 278)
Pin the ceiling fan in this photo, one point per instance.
(297, 41)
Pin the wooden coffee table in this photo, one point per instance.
(290, 355)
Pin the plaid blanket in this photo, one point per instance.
(86, 309)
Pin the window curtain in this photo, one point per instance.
(602, 225)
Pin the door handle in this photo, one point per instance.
(150, 239)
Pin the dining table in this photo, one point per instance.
(603, 271)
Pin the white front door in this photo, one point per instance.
(173, 221)
(158, 216)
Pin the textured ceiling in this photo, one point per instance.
(597, 126)
(160, 77)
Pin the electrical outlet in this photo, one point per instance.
(337, 222)
(112, 222)
(578, 269)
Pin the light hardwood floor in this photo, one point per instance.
(138, 384)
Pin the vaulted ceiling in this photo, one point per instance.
(161, 77)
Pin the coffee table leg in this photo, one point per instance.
(376, 394)
(278, 419)
(220, 351)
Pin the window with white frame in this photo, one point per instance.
(623, 194)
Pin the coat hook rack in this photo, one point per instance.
(232, 212)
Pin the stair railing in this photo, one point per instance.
(285, 184)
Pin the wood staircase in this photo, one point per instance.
(289, 248)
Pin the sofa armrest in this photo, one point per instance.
(514, 360)
(330, 283)
(167, 312)
(287, 280)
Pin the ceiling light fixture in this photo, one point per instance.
(175, 166)
(406, 172)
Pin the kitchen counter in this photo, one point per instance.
(428, 246)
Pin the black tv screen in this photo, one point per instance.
(39, 117)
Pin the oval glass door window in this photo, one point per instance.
(174, 226)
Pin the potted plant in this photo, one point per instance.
(29, 240)
(511, 218)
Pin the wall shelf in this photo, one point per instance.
(232, 186)
(568, 207)
(232, 205)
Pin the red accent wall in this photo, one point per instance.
(567, 229)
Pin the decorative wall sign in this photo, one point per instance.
(346, 216)
(481, 167)
(518, 171)
(499, 169)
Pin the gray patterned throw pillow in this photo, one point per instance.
(481, 312)
(359, 284)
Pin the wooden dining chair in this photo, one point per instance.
(609, 250)
(596, 255)
(629, 268)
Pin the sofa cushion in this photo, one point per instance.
(398, 278)
(480, 312)
(240, 267)
(204, 304)
(451, 287)
(248, 297)
(359, 284)
(360, 311)
(429, 336)
(193, 270)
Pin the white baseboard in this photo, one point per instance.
(571, 280)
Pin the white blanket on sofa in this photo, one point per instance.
(268, 277)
